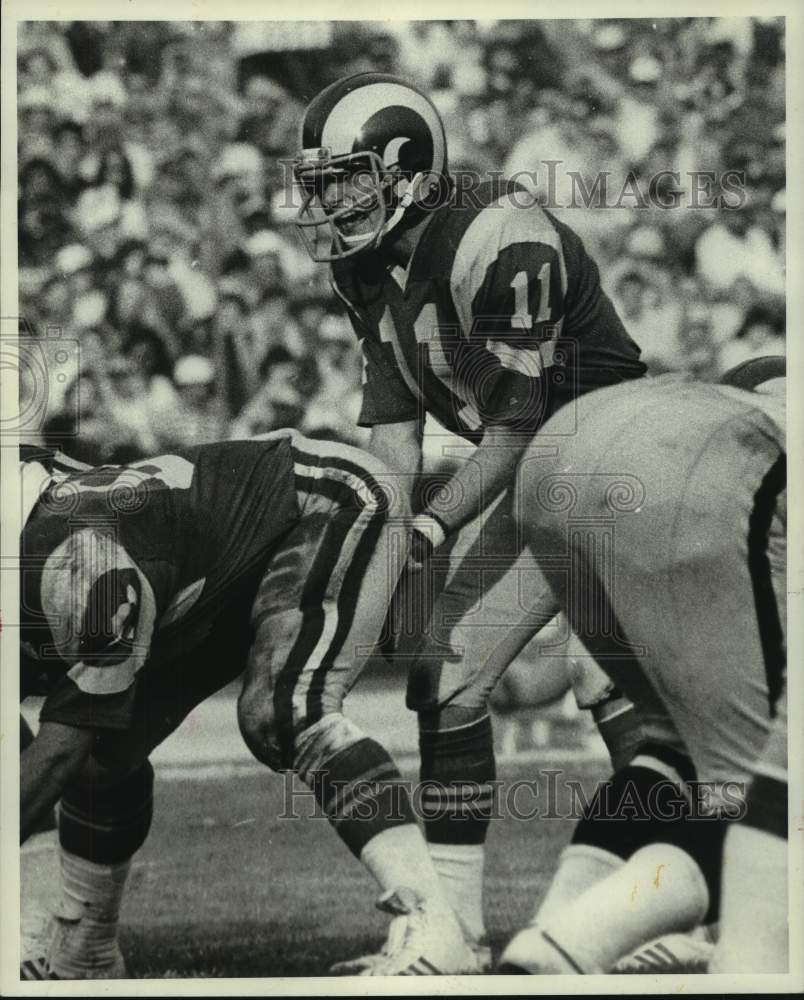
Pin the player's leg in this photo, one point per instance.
(532, 681)
(493, 603)
(587, 513)
(605, 898)
(717, 704)
(316, 619)
(39, 877)
(103, 821)
(105, 815)
(485, 613)
(639, 868)
(754, 930)
(639, 815)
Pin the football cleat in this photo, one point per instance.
(531, 952)
(68, 948)
(34, 969)
(424, 939)
(35, 930)
(671, 953)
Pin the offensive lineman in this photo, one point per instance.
(687, 482)
(148, 587)
(479, 308)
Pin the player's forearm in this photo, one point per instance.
(399, 446)
(56, 755)
(480, 479)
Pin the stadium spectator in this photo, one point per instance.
(279, 401)
(761, 333)
(199, 417)
(170, 172)
(732, 248)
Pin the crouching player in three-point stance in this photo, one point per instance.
(145, 589)
(661, 527)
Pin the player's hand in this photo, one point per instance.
(426, 535)
(411, 604)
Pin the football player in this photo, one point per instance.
(474, 305)
(148, 587)
(665, 518)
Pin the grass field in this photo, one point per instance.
(225, 887)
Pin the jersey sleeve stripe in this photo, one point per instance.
(527, 361)
(504, 222)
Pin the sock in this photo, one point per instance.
(107, 825)
(360, 791)
(398, 856)
(457, 771)
(659, 890)
(580, 867)
(88, 915)
(100, 829)
(619, 727)
(460, 869)
(753, 913)
(40, 881)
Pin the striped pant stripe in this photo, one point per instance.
(771, 633)
(348, 597)
(312, 625)
(356, 506)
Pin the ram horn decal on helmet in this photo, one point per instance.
(387, 138)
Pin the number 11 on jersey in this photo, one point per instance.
(522, 318)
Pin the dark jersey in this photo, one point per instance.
(132, 567)
(499, 318)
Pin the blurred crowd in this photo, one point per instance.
(159, 271)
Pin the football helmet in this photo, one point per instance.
(386, 138)
(751, 374)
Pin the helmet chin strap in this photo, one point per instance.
(404, 204)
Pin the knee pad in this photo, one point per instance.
(107, 825)
(319, 743)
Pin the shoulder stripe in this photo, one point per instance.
(508, 220)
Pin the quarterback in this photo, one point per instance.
(145, 588)
(666, 515)
(477, 307)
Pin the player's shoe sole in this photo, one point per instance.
(670, 954)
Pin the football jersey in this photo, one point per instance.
(499, 318)
(125, 567)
